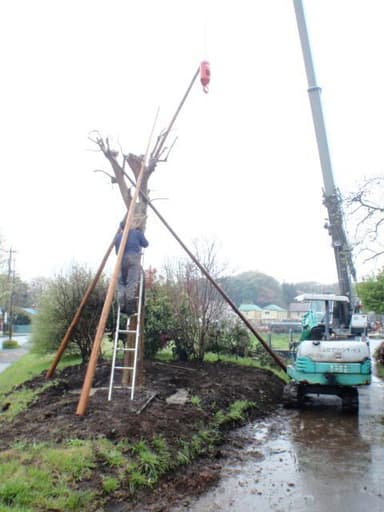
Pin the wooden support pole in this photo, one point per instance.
(119, 174)
(160, 144)
(205, 272)
(87, 384)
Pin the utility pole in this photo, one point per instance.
(11, 284)
(9, 293)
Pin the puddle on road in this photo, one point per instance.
(316, 459)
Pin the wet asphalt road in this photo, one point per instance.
(9, 356)
(317, 459)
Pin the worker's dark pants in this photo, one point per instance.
(129, 277)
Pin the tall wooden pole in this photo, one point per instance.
(84, 396)
(119, 174)
(205, 272)
(161, 141)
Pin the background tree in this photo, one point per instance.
(371, 293)
(57, 307)
(36, 289)
(229, 336)
(21, 293)
(253, 287)
(289, 292)
(365, 212)
(196, 305)
(314, 287)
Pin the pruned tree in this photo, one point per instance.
(365, 212)
(196, 304)
(118, 161)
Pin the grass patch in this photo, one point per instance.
(30, 366)
(165, 356)
(235, 412)
(39, 478)
(280, 341)
(73, 463)
(110, 484)
(58, 477)
(196, 401)
(380, 370)
(110, 454)
(27, 367)
(245, 361)
(17, 402)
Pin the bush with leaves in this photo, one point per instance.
(229, 337)
(57, 308)
(184, 333)
(21, 319)
(164, 322)
(371, 292)
(158, 322)
(379, 354)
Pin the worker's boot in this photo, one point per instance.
(131, 307)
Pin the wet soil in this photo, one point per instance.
(52, 417)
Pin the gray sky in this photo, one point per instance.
(245, 169)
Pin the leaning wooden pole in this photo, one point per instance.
(159, 146)
(214, 283)
(87, 384)
(154, 158)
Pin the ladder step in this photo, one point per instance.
(119, 345)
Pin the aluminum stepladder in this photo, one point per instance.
(123, 350)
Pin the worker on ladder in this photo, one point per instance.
(130, 266)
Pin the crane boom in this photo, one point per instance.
(322, 364)
(331, 197)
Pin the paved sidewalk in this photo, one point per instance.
(10, 355)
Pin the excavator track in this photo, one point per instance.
(350, 400)
(292, 395)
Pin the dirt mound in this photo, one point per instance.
(161, 407)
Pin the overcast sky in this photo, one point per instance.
(245, 169)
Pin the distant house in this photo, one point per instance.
(296, 310)
(29, 311)
(21, 324)
(252, 312)
(273, 313)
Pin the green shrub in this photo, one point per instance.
(158, 322)
(10, 344)
(379, 354)
(57, 308)
(110, 484)
(229, 338)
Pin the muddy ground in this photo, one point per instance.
(52, 417)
